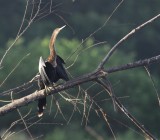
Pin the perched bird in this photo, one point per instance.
(50, 70)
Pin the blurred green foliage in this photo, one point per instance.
(133, 87)
(84, 17)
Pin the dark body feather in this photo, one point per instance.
(53, 75)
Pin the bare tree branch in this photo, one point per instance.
(140, 63)
(93, 133)
(106, 58)
(154, 86)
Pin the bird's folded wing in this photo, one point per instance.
(42, 72)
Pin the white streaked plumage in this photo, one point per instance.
(42, 70)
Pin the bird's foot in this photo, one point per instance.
(47, 90)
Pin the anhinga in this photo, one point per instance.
(50, 70)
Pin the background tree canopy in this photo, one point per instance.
(82, 18)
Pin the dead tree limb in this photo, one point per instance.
(106, 58)
(140, 63)
(40, 94)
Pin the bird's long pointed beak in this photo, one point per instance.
(62, 27)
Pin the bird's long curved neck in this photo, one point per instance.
(52, 55)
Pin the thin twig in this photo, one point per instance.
(23, 19)
(28, 126)
(13, 124)
(103, 114)
(93, 133)
(109, 90)
(82, 50)
(75, 105)
(107, 121)
(14, 69)
(21, 87)
(154, 86)
(22, 118)
(87, 116)
(97, 30)
(84, 107)
(20, 33)
(58, 107)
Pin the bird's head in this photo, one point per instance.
(57, 30)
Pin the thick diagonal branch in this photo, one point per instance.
(40, 94)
